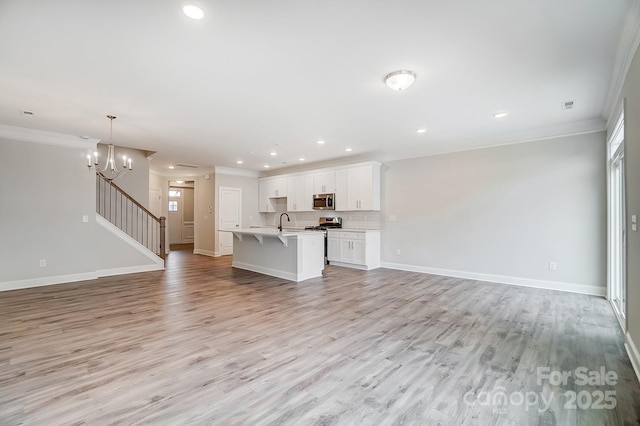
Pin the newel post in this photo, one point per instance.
(163, 224)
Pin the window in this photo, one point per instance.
(174, 193)
(173, 206)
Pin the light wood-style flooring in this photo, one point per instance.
(205, 344)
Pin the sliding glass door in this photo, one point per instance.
(617, 224)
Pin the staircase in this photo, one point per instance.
(121, 210)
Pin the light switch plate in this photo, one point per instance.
(634, 218)
(85, 218)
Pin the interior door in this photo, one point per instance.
(230, 203)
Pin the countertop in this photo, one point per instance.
(274, 232)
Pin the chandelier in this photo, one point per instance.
(110, 170)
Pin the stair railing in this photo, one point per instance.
(123, 211)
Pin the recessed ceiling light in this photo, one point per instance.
(266, 166)
(301, 158)
(421, 130)
(320, 142)
(273, 153)
(172, 167)
(193, 11)
(239, 161)
(348, 149)
(500, 114)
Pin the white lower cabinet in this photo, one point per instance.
(355, 249)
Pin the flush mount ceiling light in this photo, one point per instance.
(193, 11)
(301, 159)
(239, 162)
(320, 142)
(400, 80)
(500, 114)
(421, 130)
(273, 153)
(266, 166)
(348, 149)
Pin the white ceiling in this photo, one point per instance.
(263, 75)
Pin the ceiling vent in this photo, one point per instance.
(189, 166)
(27, 113)
(568, 105)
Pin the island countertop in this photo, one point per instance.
(275, 232)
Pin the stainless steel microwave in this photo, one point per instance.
(324, 202)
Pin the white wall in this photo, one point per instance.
(204, 215)
(46, 190)
(504, 212)
(631, 93)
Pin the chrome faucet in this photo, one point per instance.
(288, 220)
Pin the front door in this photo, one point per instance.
(175, 215)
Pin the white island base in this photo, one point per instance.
(294, 256)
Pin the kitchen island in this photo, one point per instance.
(294, 255)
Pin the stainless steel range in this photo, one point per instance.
(325, 223)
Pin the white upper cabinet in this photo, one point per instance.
(300, 193)
(278, 187)
(269, 188)
(358, 188)
(265, 203)
(324, 182)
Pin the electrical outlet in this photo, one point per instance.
(85, 218)
(43, 263)
(553, 266)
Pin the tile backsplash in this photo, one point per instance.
(352, 220)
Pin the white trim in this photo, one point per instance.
(47, 138)
(353, 265)
(576, 128)
(130, 241)
(634, 355)
(627, 47)
(128, 270)
(206, 252)
(44, 281)
(621, 320)
(502, 279)
(235, 172)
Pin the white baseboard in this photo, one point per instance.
(502, 279)
(43, 281)
(129, 270)
(351, 265)
(206, 252)
(634, 355)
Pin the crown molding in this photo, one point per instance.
(23, 134)
(627, 48)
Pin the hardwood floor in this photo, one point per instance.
(202, 343)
